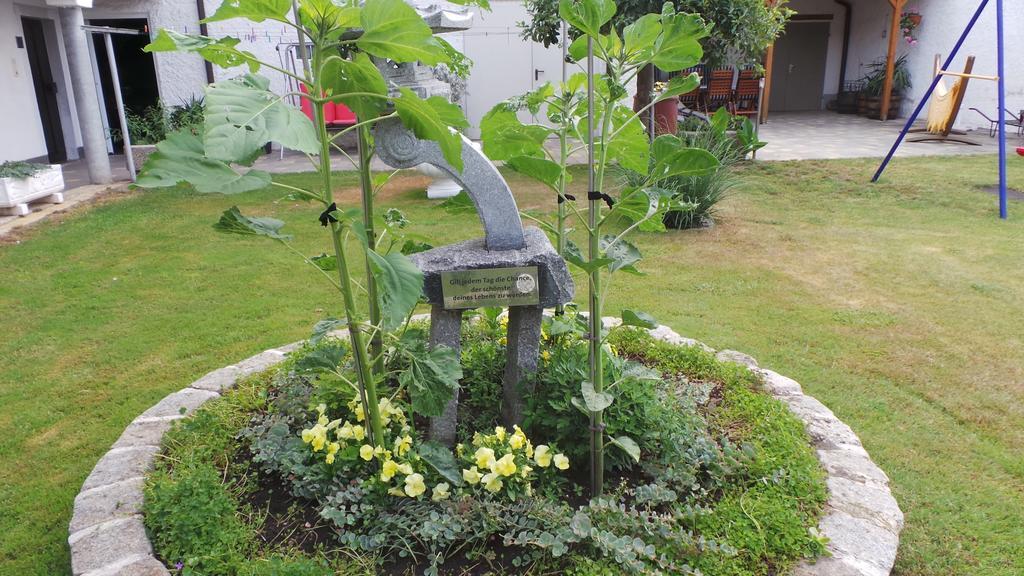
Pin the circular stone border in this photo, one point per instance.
(107, 536)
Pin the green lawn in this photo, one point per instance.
(899, 305)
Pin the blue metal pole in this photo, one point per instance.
(928, 94)
(1000, 48)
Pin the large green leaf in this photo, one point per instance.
(430, 120)
(540, 169)
(628, 445)
(242, 115)
(504, 136)
(232, 221)
(595, 401)
(392, 29)
(680, 85)
(587, 16)
(639, 36)
(622, 253)
(431, 376)
(684, 162)
(441, 459)
(255, 10)
(630, 147)
(219, 51)
(639, 319)
(399, 285)
(325, 358)
(574, 256)
(181, 158)
(645, 206)
(678, 46)
(357, 75)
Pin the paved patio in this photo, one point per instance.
(824, 135)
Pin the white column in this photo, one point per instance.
(86, 102)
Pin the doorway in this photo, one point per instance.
(798, 74)
(45, 88)
(136, 69)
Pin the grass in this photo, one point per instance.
(899, 305)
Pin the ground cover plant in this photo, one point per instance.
(818, 275)
(717, 450)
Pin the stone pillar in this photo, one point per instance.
(446, 329)
(76, 43)
(521, 360)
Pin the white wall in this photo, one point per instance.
(942, 23)
(21, 131)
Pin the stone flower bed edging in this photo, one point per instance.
(107, 536)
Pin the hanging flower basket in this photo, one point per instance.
(909, 22)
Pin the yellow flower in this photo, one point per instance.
(529, 449)
(492, 482)
(366, 452)
(542, 456)
(471, 475)
(329, 459)
(358, 432)
(345, 432)
(499, 432)
(440, 492)
(396, 491)
(405, 468)
(388, 470)
(561, 462)
(525, 471)
(503, 341)
(545, 355)
(460, 449)
(414, 485)
(307, 436)
(505, 466)
(321, 407)
(402, 445)
(484, 457)
(332, 449)
(518, 439)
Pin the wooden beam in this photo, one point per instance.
(890, 61)
(769, 60)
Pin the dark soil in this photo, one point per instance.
(1011, 193)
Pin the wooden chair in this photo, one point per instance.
(694, 100)
(720, 92)
(747, 89)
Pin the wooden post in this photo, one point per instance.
(890, 62)
(769, 60)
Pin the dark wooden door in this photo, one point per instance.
(798, 77)
(45, 88)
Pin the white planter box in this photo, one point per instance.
(16, 193)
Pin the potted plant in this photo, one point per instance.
(909, 21)
(157, 121)
(869, 100)
(23, 182)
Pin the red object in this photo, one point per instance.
(666, 116)
(1020, 151)
(335, 113)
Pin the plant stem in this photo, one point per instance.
(376, 342)
(594, 302)
(355, 331)
(560, 232)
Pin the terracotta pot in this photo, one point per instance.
(666, 116)
(915, 19)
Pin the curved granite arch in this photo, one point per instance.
(398, 147)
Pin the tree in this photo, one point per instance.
(741, 29)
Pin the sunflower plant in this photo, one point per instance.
(342, 42)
